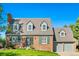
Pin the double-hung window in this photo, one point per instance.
(14, 39)
(44, 40)
(44, 26)
(15, 27)
(29, 26)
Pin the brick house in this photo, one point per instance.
(35, 33)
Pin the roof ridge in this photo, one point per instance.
(31, 18)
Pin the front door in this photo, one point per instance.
(28, 42)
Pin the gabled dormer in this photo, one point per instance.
(15, 27)
(62, 33)
(44, 26)
(30, 26)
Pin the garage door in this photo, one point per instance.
(59, 47)
(68, 47)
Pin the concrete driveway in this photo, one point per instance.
(68, 53)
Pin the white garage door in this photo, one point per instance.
(68, 47)
(59, 47)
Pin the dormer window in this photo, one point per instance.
(29, 26)
(44, 26)
(62, 34)
(15, 27)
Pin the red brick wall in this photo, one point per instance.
(45, 47)
(36, 45)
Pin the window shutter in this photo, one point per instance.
(31, 40)
(17, 27)
(19, 38)
(48, 39)
(40, 39)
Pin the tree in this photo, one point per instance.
(1, 20)
(9, 27)
(75, 29)
(1, 9)
(65, 26)
(72, 26)
(2, 40)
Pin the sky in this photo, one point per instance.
(60, 13)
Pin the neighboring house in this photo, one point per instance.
(63, 40)
(35, 33)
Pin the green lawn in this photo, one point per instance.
(24, 52)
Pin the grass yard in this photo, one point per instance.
(24, 52)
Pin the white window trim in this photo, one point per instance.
(17, 27)
(45, 27)
(46, 40)
(14, 37)
(61, 34)
(28, 26)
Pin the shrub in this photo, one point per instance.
(77, 47)
(2, 41)
(16, 46)
(11, 46)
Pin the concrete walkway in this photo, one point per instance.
(68, 53)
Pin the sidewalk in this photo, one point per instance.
(68, 54)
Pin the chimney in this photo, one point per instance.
(9, 18)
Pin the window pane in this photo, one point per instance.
(44, 27)
(44, 40)
(15, 40)
(30, 27)
(62, 34)
(16, 27)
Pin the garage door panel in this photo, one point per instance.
(59, 47)
(68, 47)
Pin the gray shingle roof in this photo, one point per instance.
(37, 22)
(68, 37)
